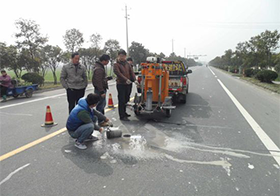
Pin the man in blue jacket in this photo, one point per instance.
(82, 120)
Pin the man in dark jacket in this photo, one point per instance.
(100, 81)
(82, 120)
(73, 78)
(125, 77)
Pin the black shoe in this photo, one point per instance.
(127, 115)
(124, 119)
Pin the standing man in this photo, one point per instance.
(125, 77)
(73, 78)
(5, 83)
(130, 62)
(100, 82)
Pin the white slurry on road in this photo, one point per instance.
(12, 173)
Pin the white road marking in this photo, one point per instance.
(269, 144)
(31, 101)
(14, 172)
(15, 114)
(44, 98)
(212, 72)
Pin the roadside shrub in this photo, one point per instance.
(266, 76)
(256, 71)
(34, 78)
(277, 68)
(233, 69)
(248, 72)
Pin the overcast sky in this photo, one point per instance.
(201, 26)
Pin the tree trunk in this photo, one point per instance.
(54, 75)
(16, 73)
(54, 78)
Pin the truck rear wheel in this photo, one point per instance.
(183, 98)
(168, 113)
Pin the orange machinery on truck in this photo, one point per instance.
(178, 85)
(153, 92)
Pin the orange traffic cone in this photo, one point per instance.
(49, 119)
(110, 101)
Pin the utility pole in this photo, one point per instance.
(172, 45)
(126, 19)
(184, 52)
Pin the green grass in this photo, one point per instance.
(50, 85)
(48, 76)
(270, 86)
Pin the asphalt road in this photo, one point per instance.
(207, 147)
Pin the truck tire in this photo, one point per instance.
(168, 113)
(183, 98)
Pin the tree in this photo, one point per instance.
(227, 57)
(65, 57)
(112, 47)
(257, 52)
(88, 57)
(138, 52)
(265, 44)
(276, 61)
(30, 38)
(161, 55)
(12, 59)
(23, 61)
(241, 53)
(52, 58)
(73, 40)
(95, 40)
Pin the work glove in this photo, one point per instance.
(128, 81)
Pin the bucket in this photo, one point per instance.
(113, 134)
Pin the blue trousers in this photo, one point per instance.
(83, 132)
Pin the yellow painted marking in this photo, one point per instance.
(42, 139)
(31, 144)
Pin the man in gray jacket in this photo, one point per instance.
(73, 78)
